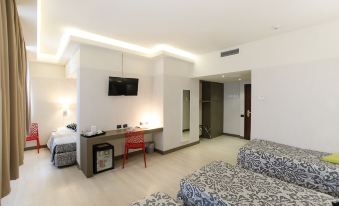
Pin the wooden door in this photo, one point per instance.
(248, 114)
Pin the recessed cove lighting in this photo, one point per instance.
(79, 34)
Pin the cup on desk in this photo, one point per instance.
(93, 129)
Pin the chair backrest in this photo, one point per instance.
(34, 130)
(134, 137)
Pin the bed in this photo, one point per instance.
(157, 199)
(222, 184)
(294, 165)
(62, 144)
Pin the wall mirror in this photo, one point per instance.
(186, 114)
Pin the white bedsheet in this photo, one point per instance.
(61, 136)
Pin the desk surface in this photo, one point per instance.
(119, 133)
(86, 149)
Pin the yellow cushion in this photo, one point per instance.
(332, 158)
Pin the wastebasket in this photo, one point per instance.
(150, 147)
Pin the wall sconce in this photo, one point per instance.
(65, 104)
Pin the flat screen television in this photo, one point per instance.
(131, 86)
(119, 86)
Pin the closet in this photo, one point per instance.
(212, 104)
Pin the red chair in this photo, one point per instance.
(34, 135)
(134, 140)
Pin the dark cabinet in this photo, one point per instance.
(212, 108)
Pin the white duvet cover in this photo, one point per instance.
(63, 135)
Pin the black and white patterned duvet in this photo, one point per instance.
(222, 184)
(294, 165)
(64, 154)
(157, 199)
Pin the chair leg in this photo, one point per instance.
(127, 153)
(145, 157)
(123, 161)
(38, 145)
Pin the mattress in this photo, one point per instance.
(291, 164)
(222, 184)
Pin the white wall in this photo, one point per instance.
(296, 66)
(304, 45)
(73, 65)
(97, 108)
(176, 79)
(298, 105)
(159, 99)
(51, 93)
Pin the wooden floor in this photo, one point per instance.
(42, 184)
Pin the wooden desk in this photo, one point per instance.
(86, 151)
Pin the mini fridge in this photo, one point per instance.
(103, 157)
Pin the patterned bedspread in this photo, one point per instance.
(222, 184)
(64, 154)
(299, 166)
(157, 199)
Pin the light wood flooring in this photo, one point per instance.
(42, 184)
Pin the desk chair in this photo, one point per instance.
(134, 140)
(34, 135)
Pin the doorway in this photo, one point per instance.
(233, 117)
(248, 111)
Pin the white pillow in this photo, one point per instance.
(64, 131)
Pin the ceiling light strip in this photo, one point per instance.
(73, 32)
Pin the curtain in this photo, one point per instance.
(13, 72)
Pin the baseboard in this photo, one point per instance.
(177, 148)
(233, 135)
(34, 147)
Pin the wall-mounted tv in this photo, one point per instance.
(119, 86)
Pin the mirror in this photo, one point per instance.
(186, 113)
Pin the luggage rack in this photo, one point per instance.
(205, 131)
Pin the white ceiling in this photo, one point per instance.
(198, 26)
(229, 77)
(27, 10)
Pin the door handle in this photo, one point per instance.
(248, 113)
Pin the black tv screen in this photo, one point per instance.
(116, 86)
(131, 86)
(122, 86)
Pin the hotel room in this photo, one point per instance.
(169, 102)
